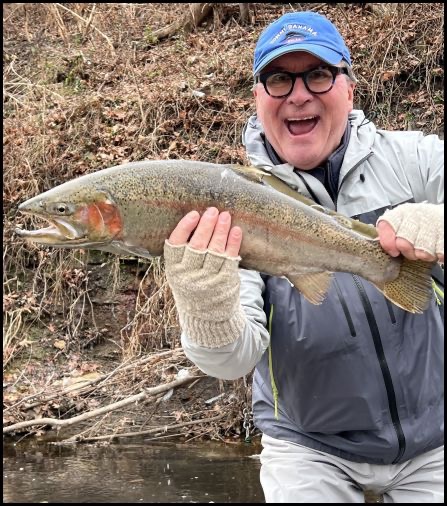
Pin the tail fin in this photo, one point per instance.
(412, 289)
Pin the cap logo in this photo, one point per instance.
(295, 29)
(293, 37)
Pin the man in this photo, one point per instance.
(348, 394)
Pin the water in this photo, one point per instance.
(132, 472)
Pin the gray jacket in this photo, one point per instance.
(355, 377)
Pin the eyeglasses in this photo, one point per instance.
(279, 84)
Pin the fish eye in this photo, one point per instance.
(61, 209)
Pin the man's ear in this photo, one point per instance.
(351, 87)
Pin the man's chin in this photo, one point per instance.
(305, 162)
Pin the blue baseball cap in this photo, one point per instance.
(300, 31)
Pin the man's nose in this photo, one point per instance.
(299, 94)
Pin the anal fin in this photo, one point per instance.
(314, 287)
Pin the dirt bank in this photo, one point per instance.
(87, 86)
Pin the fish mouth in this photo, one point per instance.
(60, 232)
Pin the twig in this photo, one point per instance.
(198, 12)
(317, 7)
(109, 42)
(60, 22)
(32, 85)
(140, 101)
(13, 12)
(341, 9)
(89, 22)
(100, 411)
(29, 396)
(84, 384)
(154, 430)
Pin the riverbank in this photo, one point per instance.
(87, 86)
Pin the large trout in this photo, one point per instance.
(132, 209)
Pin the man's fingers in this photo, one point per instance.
(395, 246)
(234, 242)
(204, 231)
(184, 228)
(424, 255)
(406, 248)
(212, 231)
(218, 241)
(387, 238)
(418, 231)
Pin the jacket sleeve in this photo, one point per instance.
(240, 357)
(430, 159)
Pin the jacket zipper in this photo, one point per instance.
(345, 308)
(390, 311)
(391, 395)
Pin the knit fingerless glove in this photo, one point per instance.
(420, 224)
(205, 286)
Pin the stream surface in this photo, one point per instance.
(134, 472)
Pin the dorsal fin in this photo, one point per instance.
(257, 175)
(364, 229)
(250, 172)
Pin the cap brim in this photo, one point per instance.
(328, 55)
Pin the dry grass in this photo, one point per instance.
(154, 324)
(399, 63)
(87, 86)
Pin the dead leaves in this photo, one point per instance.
(60, 344)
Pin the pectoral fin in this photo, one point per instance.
(119, 248)
(314, 286)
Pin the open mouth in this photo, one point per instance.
(302, 126)
(58, 231)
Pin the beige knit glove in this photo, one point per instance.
(420, 224)
(205, 286)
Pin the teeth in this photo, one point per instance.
(302, 119)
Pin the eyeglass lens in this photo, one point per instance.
(316, 81)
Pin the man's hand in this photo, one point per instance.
(212, 231)
(413, 230)
(203, 275)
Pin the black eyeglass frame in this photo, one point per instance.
(335, 71)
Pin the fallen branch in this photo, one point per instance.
(198, 13)
(100, 411)
(83, 384)
(154, 430)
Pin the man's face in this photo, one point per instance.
(303, 128)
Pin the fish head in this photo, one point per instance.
(79, 217)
